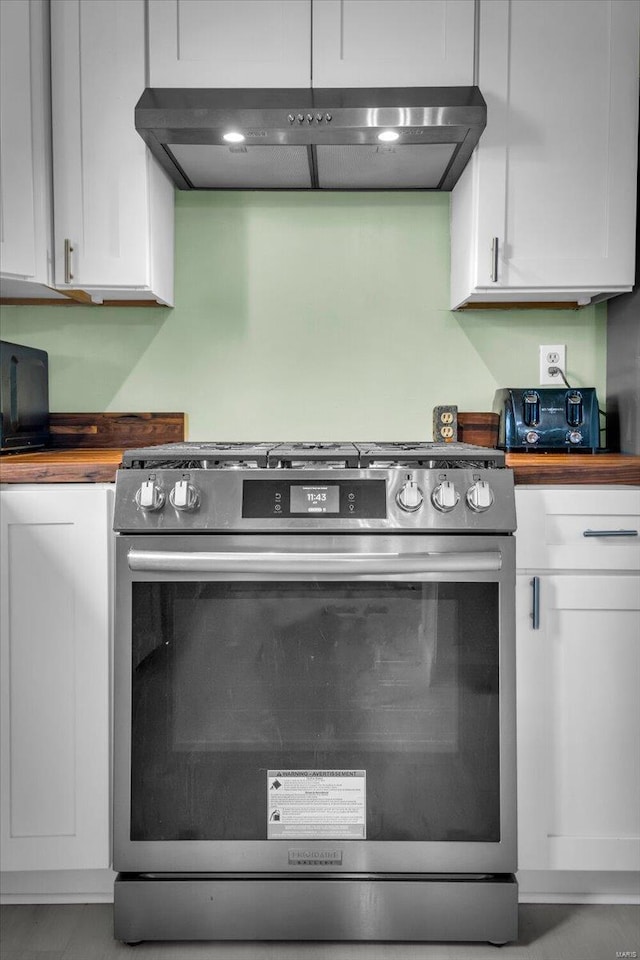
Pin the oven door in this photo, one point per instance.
(305, 702)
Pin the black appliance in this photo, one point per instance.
(24, 397)
(548, 418)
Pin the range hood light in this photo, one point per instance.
(388, 135)
(233, 137)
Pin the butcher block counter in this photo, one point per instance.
(88, 447)
(550, 468)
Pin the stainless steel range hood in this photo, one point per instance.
(409, 138)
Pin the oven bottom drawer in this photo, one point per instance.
(316, 907)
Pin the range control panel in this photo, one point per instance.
(331, 500)
(355, 499)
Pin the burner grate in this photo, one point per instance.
(309, 456)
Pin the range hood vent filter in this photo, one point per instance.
(229, 168)
(312, 139)
(395, 167)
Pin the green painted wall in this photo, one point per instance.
(304, 316)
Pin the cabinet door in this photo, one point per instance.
(390, 43)
(108, 191)
(25, 152)
(553, 179)
(229, 43)
(578, 528)
(55, 576)
(578, 721)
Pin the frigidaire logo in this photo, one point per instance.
(301, 855)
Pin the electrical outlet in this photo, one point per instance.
(552, 355)
(445, 423)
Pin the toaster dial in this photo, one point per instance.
(575, 437)
(532, 437)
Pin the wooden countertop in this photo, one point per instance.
(61, 466)
(550, 468)
(88, 447)
(100, 466)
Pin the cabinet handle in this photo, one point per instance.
(535, 603)
(68, 250)
(610, 533)
(495, 244)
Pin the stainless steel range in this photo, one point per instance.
(314, 693)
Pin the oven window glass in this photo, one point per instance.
(231, 680)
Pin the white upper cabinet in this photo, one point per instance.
(545, 210)
(297, 43)
(25, 146)
(229, 43)
(392, 43)
(113, 203)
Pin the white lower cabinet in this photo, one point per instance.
(55, 654)
(578, 723)
(578, 668)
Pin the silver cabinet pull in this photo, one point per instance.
(535, 603)
(610, 533)
(495, 244)
(68, 250)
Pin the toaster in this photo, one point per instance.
(548, 418)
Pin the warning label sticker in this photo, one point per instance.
(316, 803)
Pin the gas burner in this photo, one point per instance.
(314, 456)
(196, 455)
(446, 456)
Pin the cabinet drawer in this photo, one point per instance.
(578, 528)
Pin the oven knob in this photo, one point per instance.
(184, 496)
(480, 496)
(410, 496)
(150, 497)
(445, 496)
(575, 437)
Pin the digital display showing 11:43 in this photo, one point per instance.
(314, 499)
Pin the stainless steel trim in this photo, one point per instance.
(268, 562)
(495, 245)
(610, 533)
(366, 908)
(68, 250)
(535, 603)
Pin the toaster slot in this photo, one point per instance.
(531, 409)
(575, 408)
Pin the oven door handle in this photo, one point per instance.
(270, 563)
